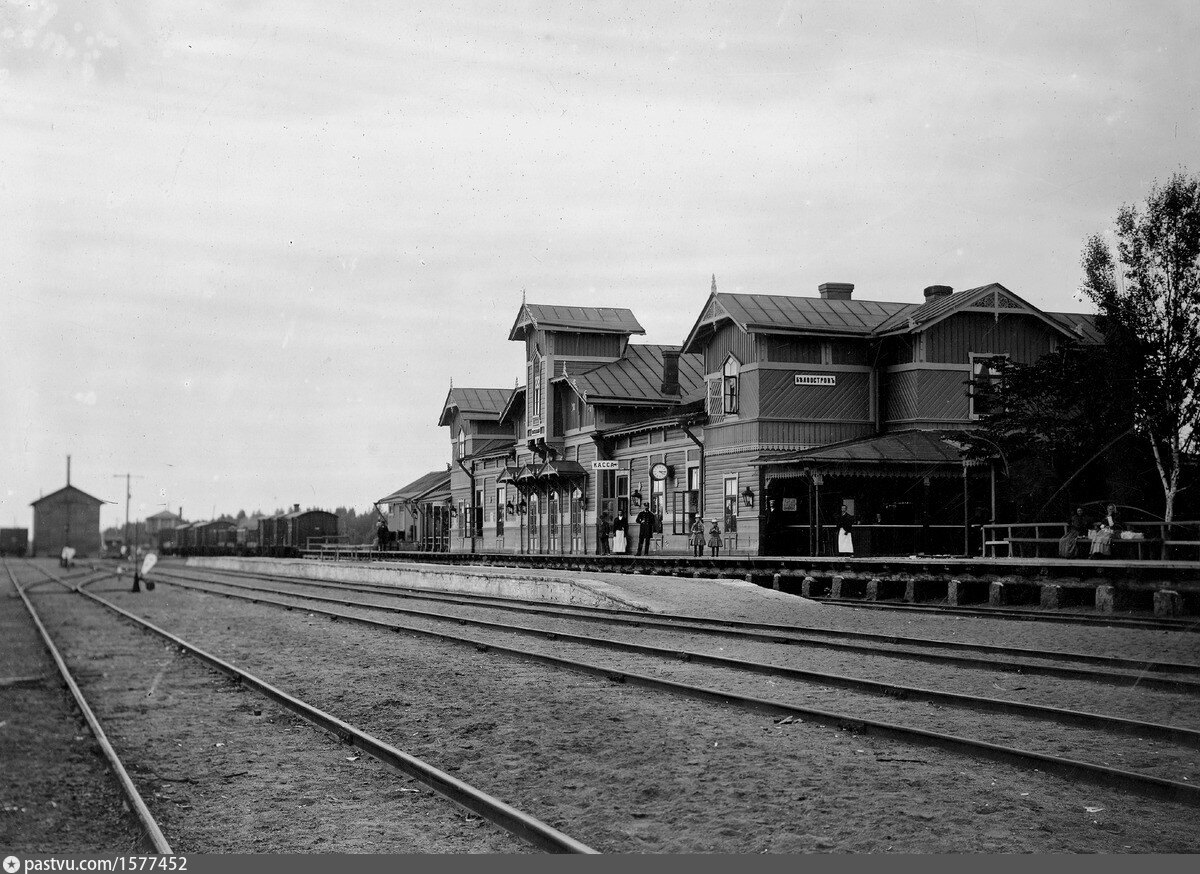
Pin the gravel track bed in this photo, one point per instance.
(224, 770)
(1151, 705)
(630, 770)
(1117, 750)
(58, 794)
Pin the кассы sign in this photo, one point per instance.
(604, 465)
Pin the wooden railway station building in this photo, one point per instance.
(774, 413)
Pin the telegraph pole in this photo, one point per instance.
(130, 548)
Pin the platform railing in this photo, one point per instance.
(1160, 540)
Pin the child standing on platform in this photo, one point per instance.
(714, 539)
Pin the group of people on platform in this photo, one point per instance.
(1100, 533)
(612, 535)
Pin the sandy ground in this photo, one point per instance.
(223, 769)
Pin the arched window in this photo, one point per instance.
(730, 374)
(462, 443)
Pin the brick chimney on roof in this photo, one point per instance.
(836, 290)
(670, 372)
(933, 291)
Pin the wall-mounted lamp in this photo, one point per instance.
(509, 509)
(748, 497)
(522, 507)
(453, 510)
(637, 496)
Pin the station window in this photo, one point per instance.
(730, 374)
(731, 503)
(985, 373)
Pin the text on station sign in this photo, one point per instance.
(815, 379)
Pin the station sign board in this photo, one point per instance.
(816, 379)
(604, 465)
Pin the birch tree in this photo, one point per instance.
(1148, 301)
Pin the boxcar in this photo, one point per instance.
(304, 529)
(14, 541)
(218, 537)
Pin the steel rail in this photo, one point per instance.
(1175, 734)
(494, 810)
(1173, 684)
(740, 628)
(1101, 775)
(136, 803)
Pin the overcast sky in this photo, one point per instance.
(244, 246)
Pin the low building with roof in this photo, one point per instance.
(418, 513)
(67, 517)
(773, 414)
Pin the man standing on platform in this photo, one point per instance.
(603, 530)
(645, 520)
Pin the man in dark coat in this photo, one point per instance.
(645, 520)
(383, 534)
(603, 531)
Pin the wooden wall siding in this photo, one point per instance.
(726, 435)
(585, 344)
(900, 350)
(715, 471)
(729, 338)
(850, 352)
(849, 400)
(800, 434)
(574, 366)
(748, 394)
(492, 429)
(943, 395)
(567, 409)
(1024, 337)
(789, 349)
(610, 417)
(899, 396)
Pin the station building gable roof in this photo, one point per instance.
(547, 317)
(65, 492)
(475, 403)
(423, 485)
(637, 378)
(991, 298)
(769, 313)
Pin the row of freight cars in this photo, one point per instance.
(287, 534)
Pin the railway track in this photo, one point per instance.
(149, 826)
(1179, 676)
(480, 803)
(1142, 783)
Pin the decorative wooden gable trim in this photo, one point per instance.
(997, 300)
(715, 312)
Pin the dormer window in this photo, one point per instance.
(729, 374)
(462, 443)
